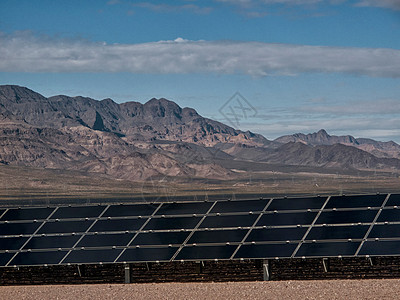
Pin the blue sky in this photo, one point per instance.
(302, 64)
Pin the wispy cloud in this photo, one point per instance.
(25, 52)
(390, 4)
(379, 119)
(168, 8)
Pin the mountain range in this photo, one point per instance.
(135, 141)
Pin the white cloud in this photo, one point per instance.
(24, 52)
(391, 4)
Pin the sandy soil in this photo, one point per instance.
(327, 289)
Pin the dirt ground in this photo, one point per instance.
(327, 289)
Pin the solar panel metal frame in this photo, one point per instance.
(158, 214)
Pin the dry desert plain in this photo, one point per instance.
(326, 289)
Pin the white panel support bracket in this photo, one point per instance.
(127, 273)
(266, 271)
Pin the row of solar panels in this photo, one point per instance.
(189, 208)
(201, 230)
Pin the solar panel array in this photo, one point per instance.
(208, 230)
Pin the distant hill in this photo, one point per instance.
(135, 141)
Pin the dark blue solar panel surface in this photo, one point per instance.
(356, 201)
(394, 200)
(280, 219)
(78, 212)
(266, 251)
(328, 249)
(194, 231)
(297, 203)
(337, 232)
(239, 206)
(27, 214)
(206, 252)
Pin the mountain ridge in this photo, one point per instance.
(135, 141)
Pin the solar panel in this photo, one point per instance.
(206, 252)
(239, 206)
(12, 243)
(389, 215)
(346, 217)
(380, 248)
(76, 212)
(65, 227)
(38, 258)
(52, 242)
(220, 229)
(169, 223)
(226, 221)
(266, 250)
(18, 228)
(385, 231)
(184, 208)
(5, 258)
(276, 234)
(92, 256)
(110, 225)
(337, 232)
(130, 210)
(394, 200)
(27, 214)
(147, 254)
(160, 238)
(328, 249)
(355, 201)
(297, 203)
(104, 240)
(282, 219)
(218, 236)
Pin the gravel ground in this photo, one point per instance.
(327, 289)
